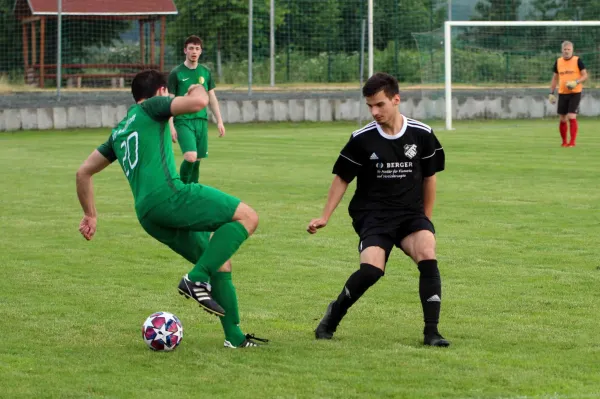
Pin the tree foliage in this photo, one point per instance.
(314, 28)
(78, 34)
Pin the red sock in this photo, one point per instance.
(573, 123)
(562, 127)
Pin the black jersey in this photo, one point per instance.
(390, 168)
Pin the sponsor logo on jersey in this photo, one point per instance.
(399, 165)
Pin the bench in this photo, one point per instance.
(76, 76)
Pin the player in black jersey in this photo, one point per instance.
(394, 159)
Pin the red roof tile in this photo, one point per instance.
(102, 7)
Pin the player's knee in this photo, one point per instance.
(252, 220)
(191, 156)
(247, 217)
(375, 256)
(424, 248)
(226, 268)
(424, 253)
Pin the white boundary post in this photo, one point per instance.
(370, 34)
(250, 20)
(448, 73)
(272, 41)
(58, 48)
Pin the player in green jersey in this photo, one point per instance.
(174, 213)
(192, 129)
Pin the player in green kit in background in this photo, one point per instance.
(174, 213)
(192, 129)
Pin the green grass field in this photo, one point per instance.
(517, 221)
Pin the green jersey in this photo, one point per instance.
(180, 80)
(143, 147)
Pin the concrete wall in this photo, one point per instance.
(295, 107)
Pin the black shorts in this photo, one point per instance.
(392, 235)
(568, 103)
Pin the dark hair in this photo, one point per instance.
(193, 40)
(381, 81)
(146, 83)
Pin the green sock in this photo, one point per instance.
(223, 244)
(195, 172)
(186, 170)
(224, 293)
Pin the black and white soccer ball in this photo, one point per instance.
(162, 331)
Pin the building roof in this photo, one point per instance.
(96, 7)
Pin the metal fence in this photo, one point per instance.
(272, 44)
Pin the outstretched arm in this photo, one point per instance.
(195, 100)
(336, 193)
(85, 191)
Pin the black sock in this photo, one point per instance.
(358, 283)
(195, 175)
(185, 171)
(430, 291)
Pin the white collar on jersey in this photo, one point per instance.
(392, 136)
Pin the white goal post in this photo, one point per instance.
(448, 25)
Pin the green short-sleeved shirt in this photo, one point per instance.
(180, 80)
(143, 148)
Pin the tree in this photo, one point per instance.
(399, 19)
(11, 58)
(496, 37)
(78, 35)
(585, 38)
(223, 27)
(310, 26)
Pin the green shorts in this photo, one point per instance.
(192, 135)
(185, 221)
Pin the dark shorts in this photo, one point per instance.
(568, 103)
(387, 232)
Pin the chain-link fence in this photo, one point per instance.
(295, 44)
(320, 42)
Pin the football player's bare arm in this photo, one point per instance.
(214, 107)
(336, 193)
(429, 188)
(554, 83)
(195, 100)
(584, 76)
(85, 191)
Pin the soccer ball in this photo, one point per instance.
(162, 331)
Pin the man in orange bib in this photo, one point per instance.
(569, 73)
